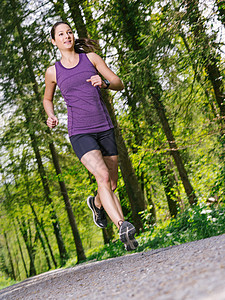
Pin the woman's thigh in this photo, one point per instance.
(94, 163)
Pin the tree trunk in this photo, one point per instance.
(211, 62)
(130, 29)
(79, 247)
(133, 187)
(28, 243)
(209, 57)
(76, 14)
(18, 277)
(174, 150)
(3, 264)
(45, 234)
(148, 196)
(21, 251)
(42, 244)
(212, 103)
(152, 209)
(168, 183)
(33, 250)
(13, 275)
(63, 253)
(53, 216)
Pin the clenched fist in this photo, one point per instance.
(52, 121)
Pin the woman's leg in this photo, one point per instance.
(96, 164)
(101, 168)
(112, 165)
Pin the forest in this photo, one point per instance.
(169, 124)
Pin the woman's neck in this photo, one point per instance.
(69, 59)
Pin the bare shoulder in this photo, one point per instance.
(50, 74)
(95, 58)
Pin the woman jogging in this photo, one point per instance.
(89, 126)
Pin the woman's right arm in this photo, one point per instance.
(50, 85)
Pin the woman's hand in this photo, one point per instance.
(115, 82)
(96, 80)
(52, 121)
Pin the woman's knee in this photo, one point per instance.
(103, 178)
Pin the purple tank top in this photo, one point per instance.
(87, 112)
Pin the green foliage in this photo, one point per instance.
(4, 282)
(199, 222)
(195, 223)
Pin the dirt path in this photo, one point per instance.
(194, 271)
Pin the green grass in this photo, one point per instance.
(4, 282)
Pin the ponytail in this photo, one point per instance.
(86, 45)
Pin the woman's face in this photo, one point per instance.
(64, 38)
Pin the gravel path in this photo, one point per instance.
(194, 271)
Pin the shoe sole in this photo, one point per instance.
(93, 213)
(127, 237)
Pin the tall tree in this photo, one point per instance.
(15, 75)
(21, 251)
(128, 16)
(209, 58)
(79, 247)
(10, 256)
(25, 230)
(30, 242)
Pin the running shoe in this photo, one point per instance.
(99, 215)
(127, 232)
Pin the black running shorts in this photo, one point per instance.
(103, 141)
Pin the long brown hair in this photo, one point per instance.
(82, 44)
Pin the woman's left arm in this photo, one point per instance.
(115, 82)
